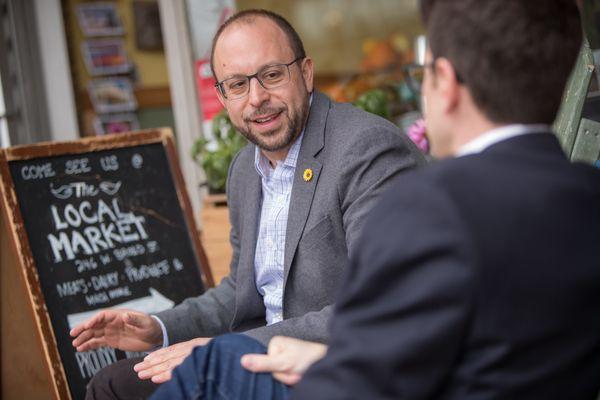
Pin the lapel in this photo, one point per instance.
(252, 304)
(303, 191)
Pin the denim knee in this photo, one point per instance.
(237, 343)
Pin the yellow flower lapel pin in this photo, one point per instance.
(308, 175)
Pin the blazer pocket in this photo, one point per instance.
(317, 233)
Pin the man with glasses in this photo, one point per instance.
(297, 196)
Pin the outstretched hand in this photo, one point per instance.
(122, 329)
(287, 358)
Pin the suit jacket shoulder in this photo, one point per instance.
(476, 277)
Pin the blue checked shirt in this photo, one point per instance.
(270, 245)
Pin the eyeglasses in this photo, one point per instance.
(414, 74)
(270, 77)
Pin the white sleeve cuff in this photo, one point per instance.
(164, 331)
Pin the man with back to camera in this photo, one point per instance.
(297, 199)
(476, 277)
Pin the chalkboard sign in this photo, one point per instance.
(97, 223)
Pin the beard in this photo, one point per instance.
(282, 137)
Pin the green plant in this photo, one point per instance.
(375, 101)
(214, 156)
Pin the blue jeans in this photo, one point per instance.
(214, 372)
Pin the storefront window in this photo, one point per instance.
(119, 67)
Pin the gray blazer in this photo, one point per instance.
(353, 155)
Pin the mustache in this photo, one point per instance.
(263, 110)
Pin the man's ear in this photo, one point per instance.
(448, 86)
(307, 69)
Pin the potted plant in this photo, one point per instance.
(214, 155)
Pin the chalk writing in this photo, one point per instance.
(109, 163)
(129, 251)
(110, 188)
(86, 264)
(105, 281)
(90, 362)
(119, 292)
(37, 171)
(137, 161)
(154, 270)
(77, 166)
(106, 230)
(72, 288)
(113, 227)
(152, 246)
(83, 189)
(96, 298)
(105, 259)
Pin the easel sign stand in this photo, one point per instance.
(102, 222)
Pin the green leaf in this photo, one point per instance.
(216, 163)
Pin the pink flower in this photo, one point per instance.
(418, 134)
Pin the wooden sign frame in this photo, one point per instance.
(20, 242)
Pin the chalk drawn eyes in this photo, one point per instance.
(63, 192)
(82, 189)
(110, 188)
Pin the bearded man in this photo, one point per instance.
(297, 195)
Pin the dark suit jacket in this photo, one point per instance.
(353, 155)
(477, 278)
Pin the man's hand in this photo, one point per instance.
(122, 329)
(287, 358)
(159, 364)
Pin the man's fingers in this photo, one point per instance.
(168, 353)
(147, 371)
(91, 344)
(83, 337)
(162, 378)
(134, 319)
(90, 323)
(166, 358)
(288, 378)
(262, 363)
(76, 330)
(159, 355)
(144, 366)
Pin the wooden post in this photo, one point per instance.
(567, 121)
(587, 144)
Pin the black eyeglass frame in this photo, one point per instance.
(413, 83)
(219, 85)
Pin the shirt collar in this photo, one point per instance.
(262, 164)
(491, 137)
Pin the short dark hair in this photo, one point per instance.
(514, 56)
(248, 16)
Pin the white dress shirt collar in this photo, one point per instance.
(497, 135)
